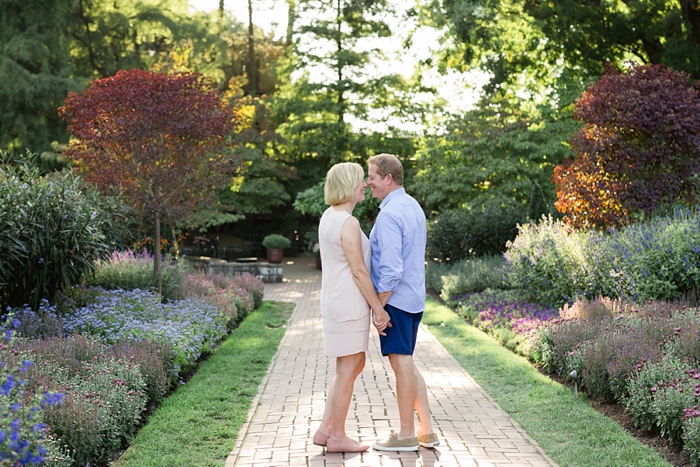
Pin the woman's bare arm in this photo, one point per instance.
(352, 247)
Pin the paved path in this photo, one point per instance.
(287, 410)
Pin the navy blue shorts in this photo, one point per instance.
(401, 336)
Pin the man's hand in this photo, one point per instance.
(381, 321)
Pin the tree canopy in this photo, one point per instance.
(158, 139)
(538, 41)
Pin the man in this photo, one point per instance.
(398, 273)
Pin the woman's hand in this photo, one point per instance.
(381, 320)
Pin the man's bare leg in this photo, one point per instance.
(404, 371)
(422, 405)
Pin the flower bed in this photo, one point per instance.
(112, 354)
(512, 321)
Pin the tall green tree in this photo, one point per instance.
(488, 154)
(119, 35)
(35, 73)
(48, 49)
(333, 84)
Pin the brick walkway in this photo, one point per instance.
(287, 410)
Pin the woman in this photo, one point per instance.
(347, 295)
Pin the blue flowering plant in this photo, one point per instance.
(191, 327)
(653, 260)
(21, 423)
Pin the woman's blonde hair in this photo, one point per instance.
(341, 182)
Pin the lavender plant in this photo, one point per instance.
(251, 284)
(506, 316)
(656, 259)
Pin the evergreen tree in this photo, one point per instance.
(35, 73)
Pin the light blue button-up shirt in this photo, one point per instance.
(398, 251)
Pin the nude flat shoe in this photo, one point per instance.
(347, 445)
(320, 438)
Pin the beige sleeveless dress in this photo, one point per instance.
(345, 312)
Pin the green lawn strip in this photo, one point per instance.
(197, 425)
(569, 430)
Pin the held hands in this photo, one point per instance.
(381, 320)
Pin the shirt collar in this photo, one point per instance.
(397, 192)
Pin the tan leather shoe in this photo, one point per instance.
(396, 444)
(428, 441)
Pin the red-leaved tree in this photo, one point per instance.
(639, 148)
(159, 139)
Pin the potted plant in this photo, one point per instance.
(275, 245)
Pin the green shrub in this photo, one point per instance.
(466, 276)
(235, 297)
(691, 433)
(104, 397)
(560, 340)
(548, 261)
(482, 228)
(128, 271)
(596, 354)
(101, 411)
(52, 229)
(155, 361)
(654, 260)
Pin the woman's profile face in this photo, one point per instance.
(360, 191)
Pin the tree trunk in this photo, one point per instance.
(291, 15)
(252, 69)
(156, 252)
(340, 63)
